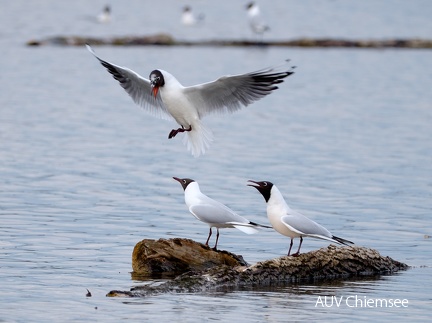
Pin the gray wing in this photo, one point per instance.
(231, 93)
(297, 222)
(137, 87)
(210, 213)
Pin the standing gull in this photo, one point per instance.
(291, 223)
(189, 18)
(105, 15)
(165, 97)
(256, 21)
(214, 213)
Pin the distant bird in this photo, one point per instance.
(165, 97)
(256, 21)
(215, 214)
(189, 18)
(105, 15)
(288, 222)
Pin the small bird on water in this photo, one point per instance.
(165, 97)
(214, 213)
(289, 222)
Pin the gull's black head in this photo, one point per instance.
(250, 5)
(156, 81)
(263, 187)
(184, 181)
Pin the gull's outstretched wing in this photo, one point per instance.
(137, 87)
(231, 93)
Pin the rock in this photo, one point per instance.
(176, 256)
(328, 263)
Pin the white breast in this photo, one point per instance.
(276, 209)
(177, 103)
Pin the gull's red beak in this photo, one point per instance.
(155, 90)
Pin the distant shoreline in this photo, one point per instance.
(168, 40)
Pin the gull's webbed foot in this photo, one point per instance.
(174, 132)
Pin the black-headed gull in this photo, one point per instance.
(165, 97)
(256, 21)
(188, 18)
(214, 213)
(289, 222)
(105, 15)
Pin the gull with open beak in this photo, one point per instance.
(289, 222)
(165, 97)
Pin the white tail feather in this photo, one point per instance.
(245, 228)
(198, 140)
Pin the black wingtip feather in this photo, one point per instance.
(112, 70)
(260, 225)
(342, 241)
(270, 78)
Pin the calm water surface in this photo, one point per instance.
(85, 174)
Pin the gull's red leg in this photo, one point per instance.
(210, 233)
(298, 251)
(174, 132)
(217, 238)
(291, 244)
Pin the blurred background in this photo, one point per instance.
(85, 173)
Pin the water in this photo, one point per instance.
(85, 174)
